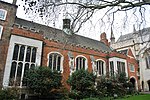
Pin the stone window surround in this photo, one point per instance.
(5, 13)
(1, 31)
(21, 64)
(61, 62)
(14, 39)
(115, 59)
(86, 61)
(104, 67)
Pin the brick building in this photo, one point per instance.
(31, 44)
(6, 23)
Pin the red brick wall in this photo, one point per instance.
(53, 46)
(133, 61)
(26, 33)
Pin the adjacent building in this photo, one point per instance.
(139, 43)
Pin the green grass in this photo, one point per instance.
(137, 97)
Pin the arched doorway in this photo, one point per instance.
(148, 82)
(132, 80)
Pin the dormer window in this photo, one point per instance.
(3, 14)
(1, 31)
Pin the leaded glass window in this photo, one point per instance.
(111, 68)
(120, 67)
(3, 14)
(21, 62)
(55, 61)
(80, 63)
(100, 67)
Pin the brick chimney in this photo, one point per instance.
(14, 2)
(104, 39)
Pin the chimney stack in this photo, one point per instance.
(14, 2)
(66, 23)
(104, 39)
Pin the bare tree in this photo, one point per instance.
(81, 11)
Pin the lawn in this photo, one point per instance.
(137, 97)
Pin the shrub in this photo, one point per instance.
(82, 84)
(114, 86)
(43, 82)
(8, 94)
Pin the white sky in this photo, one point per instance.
(93, 31)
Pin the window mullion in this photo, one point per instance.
(56, 60)
(113, 67)
(24, 54)
(52, 61)
(31, 54)
(22, 73)
(23, 65)
(16, 72)
(100, 67)
(78, 63)
(18, 52)
(79, 67)
(81, 63)
(120, 67)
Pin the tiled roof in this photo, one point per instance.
(125, 37)
(58, 35)
(130, 36)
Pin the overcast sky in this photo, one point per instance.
(93, 31)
